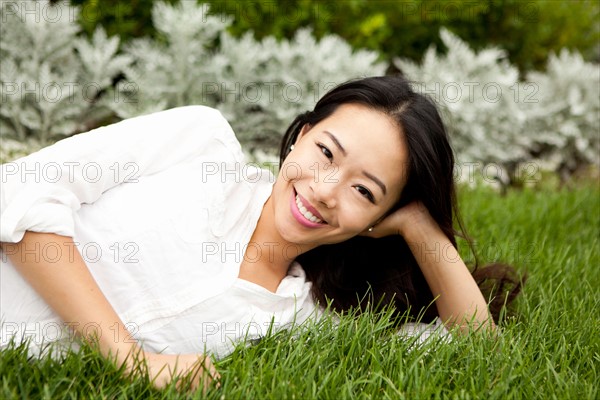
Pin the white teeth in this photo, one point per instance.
(307, 214)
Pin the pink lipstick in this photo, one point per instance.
(300, 217)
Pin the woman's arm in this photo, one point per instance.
(458, 298)
(67, 286)
(459, 301)
(42, 191)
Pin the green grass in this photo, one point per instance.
(549, 350)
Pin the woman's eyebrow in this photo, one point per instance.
(365, 173)
(337, 142)
(377, 181)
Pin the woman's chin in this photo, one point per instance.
(292, 236)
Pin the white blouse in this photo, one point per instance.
(162, 208)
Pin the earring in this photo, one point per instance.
(371, 229)
(291, 147)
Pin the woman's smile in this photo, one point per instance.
(304, 212)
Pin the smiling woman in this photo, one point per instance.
(159, 255)
(393, 180)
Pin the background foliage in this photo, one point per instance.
(54, 83)
(550, 120)
(528, 30)
(516, 121)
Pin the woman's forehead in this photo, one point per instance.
(359, 128)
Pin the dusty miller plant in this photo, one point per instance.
(565, 123)
(548, 122)
(173, 70)
(260, 86)
(286, 78)
(52, 83)
(478, 93)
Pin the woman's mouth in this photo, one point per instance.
(300, 210)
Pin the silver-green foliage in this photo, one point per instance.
(260, 86)
(55, 83)
(172, 71)
(285, 78)
(52, 81)
(565, 123)
(552, 118)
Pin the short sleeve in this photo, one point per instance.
(42, 191)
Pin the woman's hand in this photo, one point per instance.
(399, 222)
(194, 370)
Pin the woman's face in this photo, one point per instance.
(342, 176)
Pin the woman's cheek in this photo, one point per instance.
(297, 168)
(351, 225)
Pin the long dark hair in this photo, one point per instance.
(363, 271)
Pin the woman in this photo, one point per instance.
(153, 236)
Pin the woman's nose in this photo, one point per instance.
(324, 192)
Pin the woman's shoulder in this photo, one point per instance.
(201, 119)
(203, 125)
(191, 119)
(211, 121)
(192, 111)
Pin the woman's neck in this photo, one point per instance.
(268, 255)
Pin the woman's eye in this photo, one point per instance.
(325, 151)
(366, 193)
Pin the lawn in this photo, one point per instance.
(548, 349)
